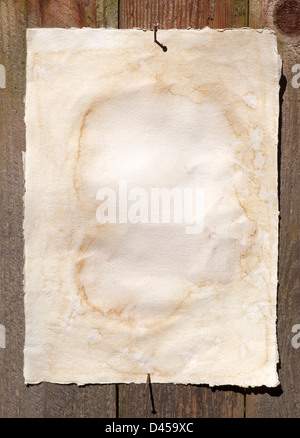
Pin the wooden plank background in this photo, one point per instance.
(50, 400)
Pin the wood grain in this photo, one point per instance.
(285, 400)
(183, 13)
(72, 13)
(16, 399)
(181, 401)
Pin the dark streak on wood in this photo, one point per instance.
(286, 17)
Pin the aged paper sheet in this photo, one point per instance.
(151, 206)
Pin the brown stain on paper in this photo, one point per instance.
(165, 76)
(244, 155)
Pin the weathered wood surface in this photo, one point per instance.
(183, 13)
(181, 401)
(50, 400)
(16, 399)
(284, 17)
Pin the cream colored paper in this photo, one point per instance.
(113, 302)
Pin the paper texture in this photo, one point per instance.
(111, 121)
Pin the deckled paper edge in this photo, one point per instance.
(205, 29)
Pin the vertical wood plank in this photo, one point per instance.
(284, 17)
(183, 13)
(180, 400)
(72, 13)
(255, 14)
(16, 399)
